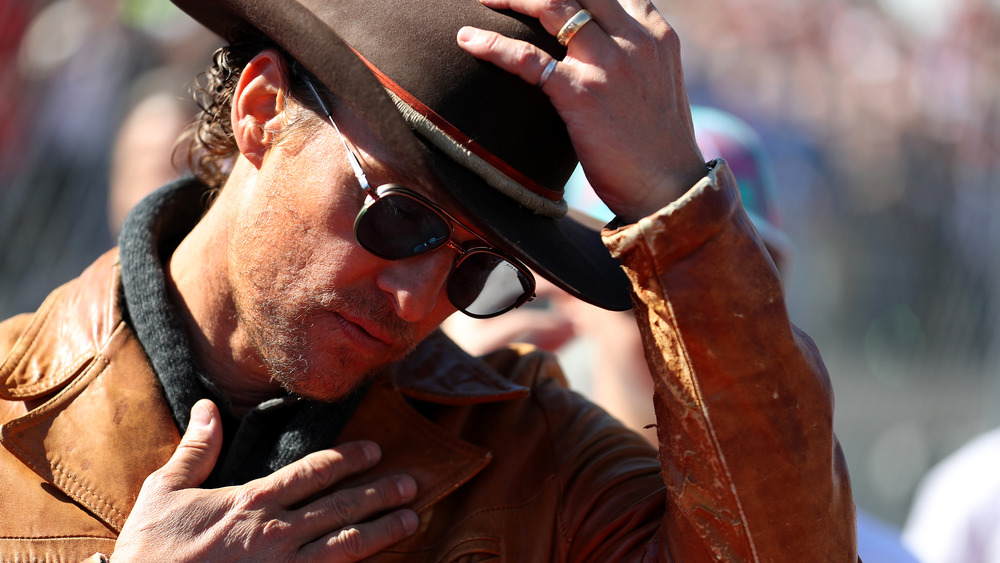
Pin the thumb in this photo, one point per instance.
(198, 450)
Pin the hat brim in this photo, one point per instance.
(565, 251)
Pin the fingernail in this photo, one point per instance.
(200, 416)
(372, 451)
(407, 486)
(410, 521)
(467, 34)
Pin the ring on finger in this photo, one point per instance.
(546, 73)
(573, 25)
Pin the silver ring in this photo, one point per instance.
(573, 25)
(546, 73)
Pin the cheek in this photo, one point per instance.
(288, 254)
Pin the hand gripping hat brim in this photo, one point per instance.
(497, 147)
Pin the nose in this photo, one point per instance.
(416, 284)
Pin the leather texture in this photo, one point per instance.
(510, 464)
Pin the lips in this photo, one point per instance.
(364, 331)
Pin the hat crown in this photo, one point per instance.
(414, 45)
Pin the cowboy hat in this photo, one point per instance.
(497, 146)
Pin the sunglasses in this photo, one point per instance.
(396, 223)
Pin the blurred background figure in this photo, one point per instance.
(71, 71)
(955, 516)
(601, 350)
(143, 156)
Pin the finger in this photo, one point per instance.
(351, 506)
(555, 13)
(363, 540)
(318, 471)
(516, 57)
(195, 456)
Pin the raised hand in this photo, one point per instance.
(275, 518)
(620, 90)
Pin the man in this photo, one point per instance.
(180, 399)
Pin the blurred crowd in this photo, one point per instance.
(882, 117)
(71, 71)
(900, 101)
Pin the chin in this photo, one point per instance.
(324, 381)
(324, 393)
(316, 364)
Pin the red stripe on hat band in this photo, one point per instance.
(456, 134)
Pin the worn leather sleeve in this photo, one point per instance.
(744, 406)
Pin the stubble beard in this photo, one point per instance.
(280, 341)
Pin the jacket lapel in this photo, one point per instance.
(413, 445)
(108, 427)
(69, 328)
(440, 373)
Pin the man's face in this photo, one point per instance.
(319, 311)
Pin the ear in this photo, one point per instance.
(258, 105)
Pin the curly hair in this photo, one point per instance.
(211, 146)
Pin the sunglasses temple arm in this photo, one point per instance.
(359, 173)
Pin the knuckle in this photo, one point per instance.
(274, 530)
(248, 498)
(491, 41)
(596, 86)
(155, 480)
(383, 494)
(352, 542)
(319, 470)
(197, 442)
(523, 55)
(343, 506)
(643, 44)
(656, 40)
(158, 481)
(668, 35)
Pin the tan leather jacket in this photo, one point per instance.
(510, 465)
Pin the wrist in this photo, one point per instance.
(666, 192)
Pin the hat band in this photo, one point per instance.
(471, 155)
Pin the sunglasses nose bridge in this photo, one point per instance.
(459, 251)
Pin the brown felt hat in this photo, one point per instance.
(497, 146)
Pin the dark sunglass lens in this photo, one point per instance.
(484, 284)
(398, 226)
